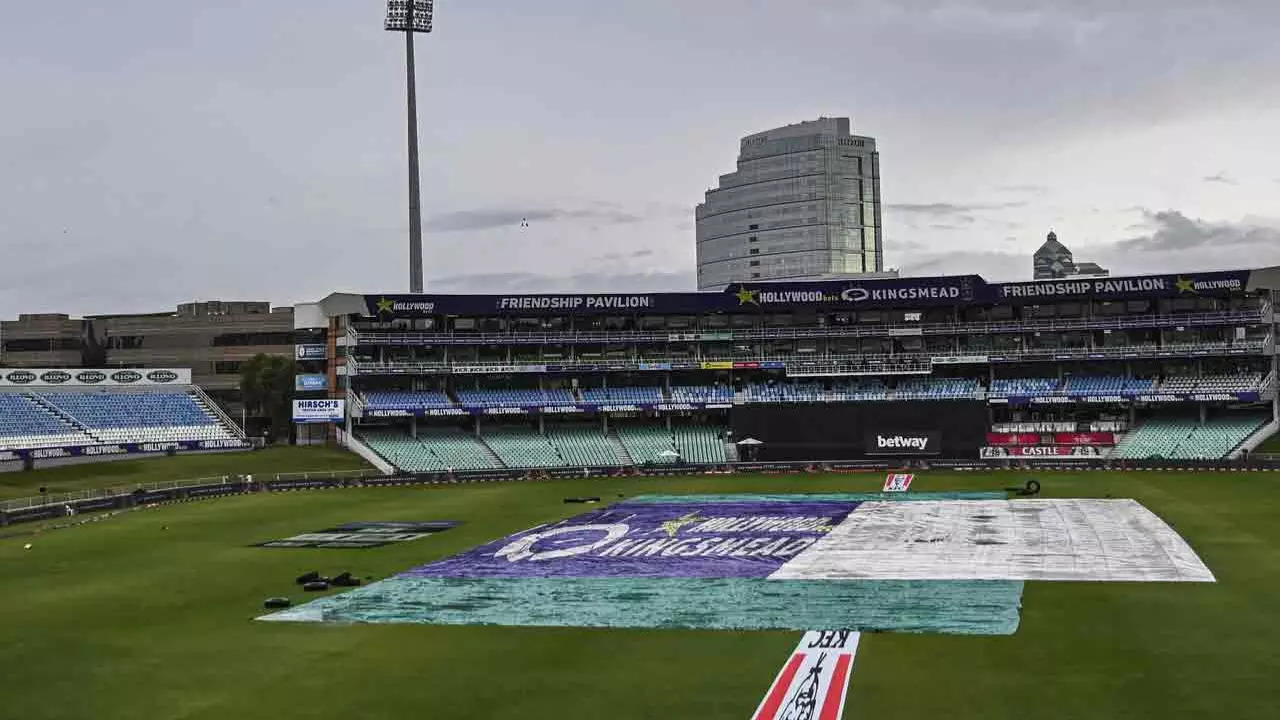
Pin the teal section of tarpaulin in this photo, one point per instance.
(974, 607)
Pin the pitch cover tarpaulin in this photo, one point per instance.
(741, 539)
(1079, 539)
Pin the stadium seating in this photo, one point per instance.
(1107, 385)
(138, 417)
(434, 450)
(648, 444)
(699, 444)
(623, 394)
(937, 389)
(512, 398)
(783, 392)
(1187, 439)
(584, 446)
(522, 448)
(407, 400)
(858, 390)
(701, 393)
(403, 451)
(26, 424)
(1239, 382)
(1024, 387)
(1179, 384)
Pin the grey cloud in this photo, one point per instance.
(942, 208)
(468, 220)
(991, 264)
(520, 282)
(1173, 242)
(1222, 178)
(1174, 231)
(908, 245)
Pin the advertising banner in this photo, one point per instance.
(311, 352)
(897, 482)
(319, 411)
(53, 453)
(829, 294)
(814, 681)
(1005, 439)
(82, 377)
(745, 539)
(1117, 288)
(905, 442)
(1054, 451)
(363, 535)
(1105, 439)
(306, 382)
(545, 409)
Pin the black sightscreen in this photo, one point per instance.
(850, 431)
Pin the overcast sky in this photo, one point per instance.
(156, 152)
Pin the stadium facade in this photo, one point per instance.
(1174, 366)
(803, 204)
(212, 339)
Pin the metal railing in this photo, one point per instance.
(976, 356)
(358, 337)
(68, 498)
(80, 496)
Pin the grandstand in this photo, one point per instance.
(1101, 368)
(40, 421)
(1188, 439)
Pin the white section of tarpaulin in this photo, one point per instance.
(1027, 539)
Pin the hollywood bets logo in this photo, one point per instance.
(688, 536)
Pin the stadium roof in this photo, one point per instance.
(914, 292)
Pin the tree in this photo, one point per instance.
(266, 386)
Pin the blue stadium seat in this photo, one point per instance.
(116, 417)
(1024, 387)
(623, 394)
(702, 393)
(510, 398)
(407, 400)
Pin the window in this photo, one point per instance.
(753, 238)
(754, 251)
(754, 263)
(753, 227)
(755, 276)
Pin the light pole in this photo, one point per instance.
(409, 17)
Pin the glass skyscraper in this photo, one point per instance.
(804, 204)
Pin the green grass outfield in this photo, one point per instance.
(125, 619)
(70, 478)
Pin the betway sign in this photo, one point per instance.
(904, 443)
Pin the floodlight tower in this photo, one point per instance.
(410, 17)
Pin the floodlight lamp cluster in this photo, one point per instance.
(398, 16)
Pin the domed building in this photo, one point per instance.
(1054, 260)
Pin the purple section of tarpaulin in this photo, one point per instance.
(690, 540)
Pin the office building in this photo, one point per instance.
(803, 204)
